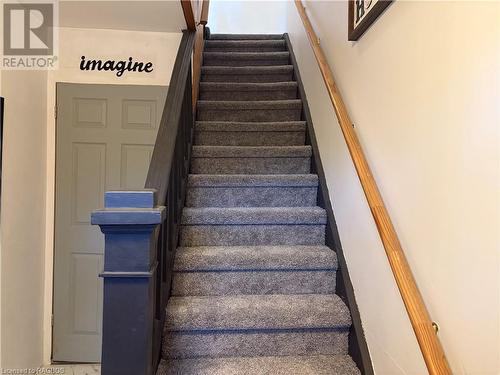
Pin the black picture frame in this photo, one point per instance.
(354, 33)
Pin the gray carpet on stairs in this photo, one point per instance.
(253, 290)
(233, 37)
(253, 343)
(245, 58)
(234, 258)
(269, 45)
(258, 110)
(220, 283)
(240, 270)
(248, 91)
(266, 74)
(251, 160)
(290, 365)
(253, 216)
(285, 133)
(295, 190)
(259, 235)
(253, 312)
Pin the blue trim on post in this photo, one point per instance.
(128, 216)
(129, 224)
(130, 198)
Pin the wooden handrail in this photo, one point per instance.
(204, 12)
(189, 14)
(428, 341)
(196, 16)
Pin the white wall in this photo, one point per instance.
(422, 89)
(158, 47)
(23, 211)
(247, 17)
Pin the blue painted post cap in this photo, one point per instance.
(129, 207)
(130, 198)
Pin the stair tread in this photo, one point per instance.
(248, 55)
(253, 216)
(257, 312)
(235, 126)
(223, 36)
(250, 110)
(235, 190)
(247, 86)
(249, 180)
(245, 43)
(279, 365)
(271, 69)
(251, 151)
(253, 282)
(226, 258)
(252, 104)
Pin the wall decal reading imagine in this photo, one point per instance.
(119, 66)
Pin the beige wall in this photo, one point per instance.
(23, 212)
(422, 88)
(1, 93)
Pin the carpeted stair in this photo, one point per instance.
(253, 290)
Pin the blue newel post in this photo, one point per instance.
(128, 221)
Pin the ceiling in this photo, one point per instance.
(160, 15)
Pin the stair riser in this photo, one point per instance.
(251, 197)
(192, 345)
(258, 282)
(229, 61)
(241, 138)
(248, 95)
(250, 165)
(247, 78)
(254, 257)
(246, 36)
(288, 365)
(207, 114)
(241, 48)
(240, 235)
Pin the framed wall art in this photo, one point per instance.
(362, 14)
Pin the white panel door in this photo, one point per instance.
(105, 137)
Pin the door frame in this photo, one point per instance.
(54, 78)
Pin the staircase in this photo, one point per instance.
(253, 290)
